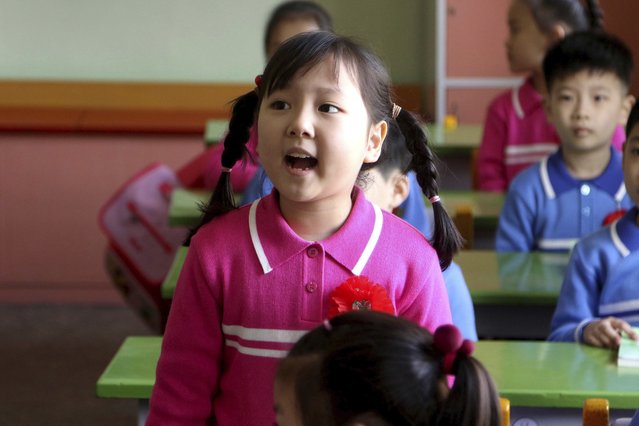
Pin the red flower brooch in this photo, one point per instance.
(359, 294)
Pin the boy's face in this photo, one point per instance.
(388, 193)
(631, 164)
(586, 107)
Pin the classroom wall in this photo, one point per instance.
(189, 40)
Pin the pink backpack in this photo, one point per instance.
(136, 222)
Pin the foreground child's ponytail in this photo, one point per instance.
(446, 239)
(244, 109)
(473, 399)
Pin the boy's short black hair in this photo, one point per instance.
(594, 51)
(633, 118)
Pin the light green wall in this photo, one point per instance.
(186, 40)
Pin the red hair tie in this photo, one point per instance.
(448, 341)
(258, 80)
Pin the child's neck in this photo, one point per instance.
(316, 221)
(586, 165)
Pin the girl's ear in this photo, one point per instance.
(401, 188)
(376, 137)
(626, 106)
(557, 32)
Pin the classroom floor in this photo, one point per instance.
(50, 359)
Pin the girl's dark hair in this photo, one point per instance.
(377, 365)
(593, 51)
(292, 10)
(633, 118)
(301, 53)
(396, 155)
(578, 15)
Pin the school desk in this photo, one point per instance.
(514, 294)
(546, 382)
(184, 206)
(214, 131)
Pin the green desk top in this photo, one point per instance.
(183, 209)
(486, 206)
(214, 131)
(458, 141)
(131, 372)
(513, 278)
(533, 374)
(544, 374)
(171, 279)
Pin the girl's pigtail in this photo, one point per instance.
(473, 399)
(595, 14)
(222, 200)
(446, 239)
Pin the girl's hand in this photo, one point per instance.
(606, 333)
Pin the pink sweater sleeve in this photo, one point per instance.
(189, 365)
(490, 167)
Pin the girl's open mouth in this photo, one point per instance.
(301, 161)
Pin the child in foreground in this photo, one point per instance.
(580, 188)
(599, 297)
(257, 278)
(373, 369)
(516, 130)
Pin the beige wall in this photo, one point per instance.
(188, 40)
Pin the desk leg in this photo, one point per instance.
(143, 411)
(532, 416)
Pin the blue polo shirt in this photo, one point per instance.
(547, 209)
(602, 280)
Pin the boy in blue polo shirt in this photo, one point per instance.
(600, 294)
(577, 190)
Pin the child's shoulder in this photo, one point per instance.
(397, 229)
(619, 239)
(225, 228)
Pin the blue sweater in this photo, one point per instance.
(546, 209)
(602, 280)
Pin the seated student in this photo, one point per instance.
(286, 20)
(388, 185)
(599, 297)
(574, 192)
(517, 133)
(373, 369)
